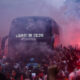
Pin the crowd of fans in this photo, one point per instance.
(66, 60)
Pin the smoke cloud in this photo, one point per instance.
(65, 12)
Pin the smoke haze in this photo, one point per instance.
(65, 12)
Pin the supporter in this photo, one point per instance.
(75, 75)
(53, 72)
(2, 76)
(15, 75)
(0, 68)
